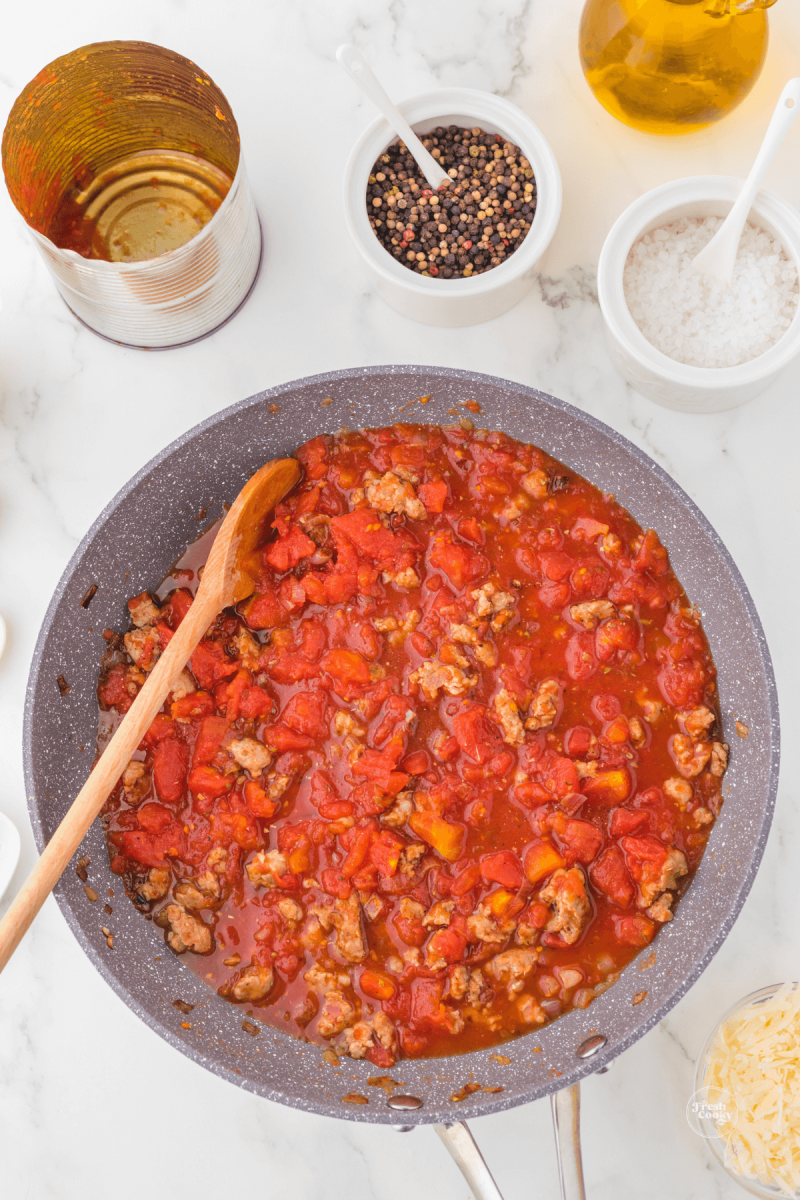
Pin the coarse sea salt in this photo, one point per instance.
(698, 322)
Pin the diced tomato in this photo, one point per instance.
(635, 930)
(322, 793)
(477, 736)
(229, 695)
(682, 683)
(466, 880)
(469, 528)
(346, 666)
(292, 668)
(555, 565)
(264, 610)
(553, 595)
(152, 849)
(610, 876)
(357, 854)
(590, 579)
(503, 867)
(291, 546)
(587, 529)
(313, 638)
(305, 713)
(376, 985)
(541, 860)
(210, 664)
(209, 739)
(281, 738)
(605, 706)
(410, 929)
(312, 455)
(291, 594)
(154, 817)
(364, 529)
(385, 850)
(233, 824)
(161, 727)
(113, 690)
(416, 763)
(165, 634)
(643, 852)
(428, 1011)
(177, 606)
(460, 564)
(448, 944)
(561, 777)
(335, 884)
(255, 703)
(651, 555)
(581, 839)
(313, 583)
(618, 633)
(170, 767)
(209, 782)
(397, 712)
(578, 741)
(258, 801)
(608, 787)
(433, 495)
(411, 453)
(446, 837)
(580, 656)
(340, 586)
(192, 706)
(626, 820)
(379, 765)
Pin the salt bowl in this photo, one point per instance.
(652, 372)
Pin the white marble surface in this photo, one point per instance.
(92, 1103)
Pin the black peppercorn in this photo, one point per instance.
(491, 199)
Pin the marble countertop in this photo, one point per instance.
(92, 1103)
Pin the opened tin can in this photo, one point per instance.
(124, 160)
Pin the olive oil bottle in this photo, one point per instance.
(672, 66)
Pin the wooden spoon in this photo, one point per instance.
(225, 581)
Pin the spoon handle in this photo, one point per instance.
(718, 257)
(784, 116)
(113, 761)
(350, 59)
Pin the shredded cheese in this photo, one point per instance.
(756, 1057)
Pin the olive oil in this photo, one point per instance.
(672, 66)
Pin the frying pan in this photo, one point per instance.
(132, 545)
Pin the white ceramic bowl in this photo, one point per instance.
(673, 384)
(455, 302)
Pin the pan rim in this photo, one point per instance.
(581, 1068)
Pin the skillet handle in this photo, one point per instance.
(566, 1107)
(469, 1160)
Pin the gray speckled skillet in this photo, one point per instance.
(131, 546)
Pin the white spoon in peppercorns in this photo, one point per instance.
(355, 66)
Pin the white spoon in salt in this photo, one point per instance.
(717, 260)
(350, 59)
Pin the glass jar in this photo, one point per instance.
(672, 66)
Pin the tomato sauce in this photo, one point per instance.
(448, 769)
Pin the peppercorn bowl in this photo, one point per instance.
(455, 302)
(663, 379)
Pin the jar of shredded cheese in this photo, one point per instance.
(752, 1057)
